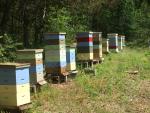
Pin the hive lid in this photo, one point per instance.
(31, 50)
(121, 35)
(61, 33)
(90, 32)
(112, 34)
(14, 65)
(98, 32)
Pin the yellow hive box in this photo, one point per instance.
(15, 100)
(15, 88)
(97, 53)
(71, 66)
(30, 54)
(14, 95)
(85, 56)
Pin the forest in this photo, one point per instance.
(23, 22)
(94, 72)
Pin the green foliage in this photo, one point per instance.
(62, 20)
(28, 23)
(7, 48)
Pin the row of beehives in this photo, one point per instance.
(16, 78)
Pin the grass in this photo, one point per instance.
(112, 90)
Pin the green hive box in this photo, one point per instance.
(35, 58)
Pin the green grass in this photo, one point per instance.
(112, 90)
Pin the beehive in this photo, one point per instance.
(35, 58)
(55, 52)
(123, 41)
(97, 45)
(71, 59)
(120, 42)
(113, 42)
(14, 84)
(105, 44)
(84, 46)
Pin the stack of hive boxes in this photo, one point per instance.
(84, 46)
(123, 41)
(120, 42)
(107, 45)
(97, 45)
(35, 58)
(55, 53)
(71, 59)
(113, 42)
(14, 84)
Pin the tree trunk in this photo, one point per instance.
(25, 26)
(5, 17)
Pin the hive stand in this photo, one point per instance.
(96, 62)
(18, 109)
(37, 87)
(85, 64)
(57, 77)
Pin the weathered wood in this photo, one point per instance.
(16, 109)
(132, 72)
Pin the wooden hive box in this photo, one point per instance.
(84, 46)
(97, 45)
(105, 44)
(55, 52)
(120, 43)
(123, 41)
(113, 41)
(35, 58)
(14, 84)
(71, 59)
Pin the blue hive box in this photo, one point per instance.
(71, 59)
(14, 84)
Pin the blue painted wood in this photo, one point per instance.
(36, 69)
(84, 35)
(55, 64)
(54, 36)
(113, 41)
(85, 44)
(70, 56)
(14, 77)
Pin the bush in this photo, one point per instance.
(7, 48)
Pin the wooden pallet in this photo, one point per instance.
(16, 109)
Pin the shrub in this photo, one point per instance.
(7, 48)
